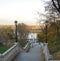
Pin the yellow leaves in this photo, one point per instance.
(53, 37)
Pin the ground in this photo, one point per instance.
(34, 54)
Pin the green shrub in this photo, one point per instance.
(3, 49)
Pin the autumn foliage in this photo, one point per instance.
(53, 37)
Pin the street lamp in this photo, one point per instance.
(16, 30)
(46, 24)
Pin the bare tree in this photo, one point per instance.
(51, 11)
(6, 36)
(56, 4)
(23, 33)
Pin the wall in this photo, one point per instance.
(46, 52)
(10, 53)
(27, 47)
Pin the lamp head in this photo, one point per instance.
(46, 22)
(15, 22)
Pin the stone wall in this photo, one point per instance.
(46, 52)
(10, 53)
(27, 47)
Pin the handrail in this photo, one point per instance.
(27, 47)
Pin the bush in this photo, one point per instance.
(22, 42)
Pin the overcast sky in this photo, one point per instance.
(20, 10)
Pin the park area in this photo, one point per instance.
(33, 21)
(3, 49)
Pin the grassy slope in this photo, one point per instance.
(3, 49)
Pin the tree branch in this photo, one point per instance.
(58, 3)
(58, 8)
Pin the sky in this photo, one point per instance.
(21, 10)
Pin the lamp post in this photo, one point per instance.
(46, 24)
(16, 30)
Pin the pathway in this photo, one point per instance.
(34, 54)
